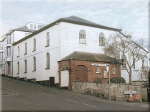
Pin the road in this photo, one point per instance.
(26, 96)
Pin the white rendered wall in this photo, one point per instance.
(70, 39)
(135, 72)
(41, 73)
(19, 35)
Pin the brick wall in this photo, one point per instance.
(91, 71)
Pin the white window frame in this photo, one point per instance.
(25, 64)
(97, 69)
(113, 70)
(31, 27)
(18, 51)
(47, 39)
(143, 63)
(47, 60)
(34, 63)
(8, 39)
(8, 51)
(101, 39)
(25, 48)
(82, 37)
(18, 67)
(34, 44)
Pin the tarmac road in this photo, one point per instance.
(25, 96)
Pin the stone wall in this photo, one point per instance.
(102, 90)
(139, 83)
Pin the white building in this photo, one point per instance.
(36, 56)
(6, 51)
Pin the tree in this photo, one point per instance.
(122, 47)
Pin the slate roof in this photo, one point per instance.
(77, 19)
(71, 19)
(23, 28)
(86, 56)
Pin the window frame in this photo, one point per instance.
(17, 67)
(105, 71)
(47, 60)
(34, 63)
(18, 51)
(101, 39)
(47, 39)
(25, 49)
(97, 69)
(82, 36)
(34, 44)
(143, 63)
(8, 39)
(8, 51)
(113, 70)
(25, 62)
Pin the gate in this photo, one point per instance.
(64, 77)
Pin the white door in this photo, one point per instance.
(64, 78)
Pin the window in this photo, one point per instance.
(47, 39)
(82, 37)
(105, 74)
(124, 62)
(47, 61)
(142, 63)
(101, 39)
(34, 64)
(8, 39)
(97, 69)
(34, 45)
(31, 26)
(25, 64)
(133, 63)
(18, 51)
(25, 48)
(35, 26)
(26, 34)
(18, 67)
(113, 70)
(8, 51)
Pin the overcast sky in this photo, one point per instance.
(129, 15)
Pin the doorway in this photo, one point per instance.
(52, 81)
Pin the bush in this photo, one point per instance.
(98, 80)
(117, 80)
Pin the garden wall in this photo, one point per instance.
(101, 90)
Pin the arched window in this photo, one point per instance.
(25, 64)
(47, 39)
(18, 67)
(82, 37)
(101, 39)
(34, 63)
(34, 45)
(47, 60)
(18, 51)
(25, 48)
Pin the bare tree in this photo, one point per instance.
(121, 46)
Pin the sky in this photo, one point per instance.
(132, 16)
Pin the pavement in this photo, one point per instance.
(19, 95)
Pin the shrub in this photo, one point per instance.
(117, 80)
(98, 80)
